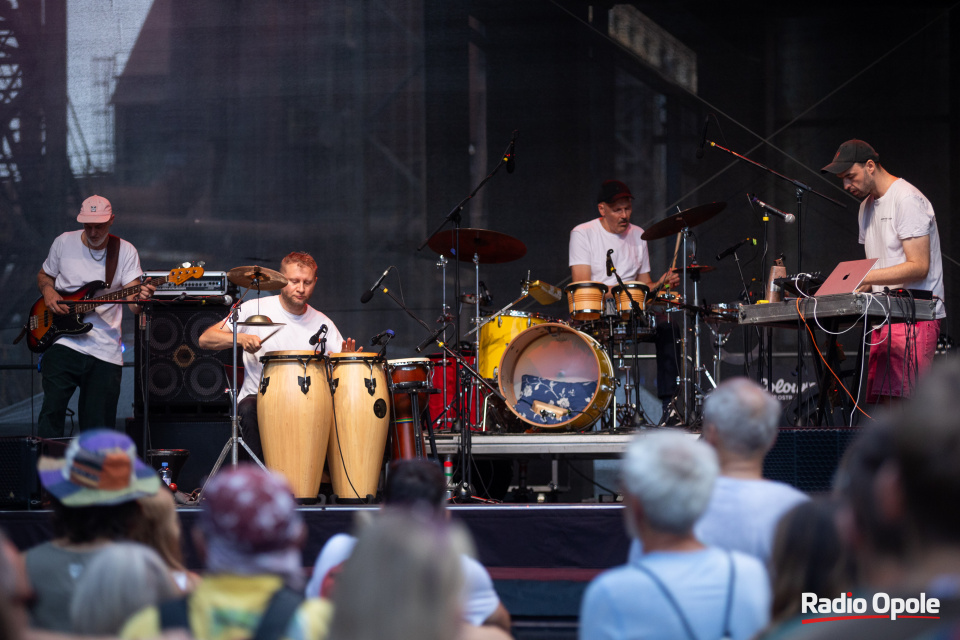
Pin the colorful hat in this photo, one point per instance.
(95, 210)
(100, 467)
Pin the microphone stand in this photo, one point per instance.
(801, 190)
(465, 490)
(635, 366)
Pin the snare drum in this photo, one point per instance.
(497, 334)
(585, 299)
(407, 374)
(638, 290)
(361, 405)
(666, 300)
(294, 410)
(723, 313)
(555, 377)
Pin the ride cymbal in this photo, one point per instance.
(682, 220)
(490, 247)
(256, 277)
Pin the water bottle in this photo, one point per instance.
(165, 474)
(448, 476)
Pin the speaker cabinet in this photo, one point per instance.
(807, 457)
(204, 439)
(19, 481)
(184, 379)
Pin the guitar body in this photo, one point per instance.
(44, 326)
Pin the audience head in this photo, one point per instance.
(415, 484)
(119, 581)
(807, 556)
(16, 593)
(95, 486)
(159, 528)
(740, 417)
(409, 565)
(671, 475)
(927, 443)
(249, 525)
(870, 535)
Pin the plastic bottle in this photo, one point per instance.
(165, 474)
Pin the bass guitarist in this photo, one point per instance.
(90, 361)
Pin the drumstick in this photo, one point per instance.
(271, 335)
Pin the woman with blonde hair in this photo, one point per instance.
(159, 528)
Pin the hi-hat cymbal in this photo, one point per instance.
(684, 219)
(694, 268)
(256, 277)
(490, 247)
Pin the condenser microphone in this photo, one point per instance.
(610, 268)
(322, 331)
(381, 338)
(703, 138)
(508, 158)
(786, 217)
(367, 295)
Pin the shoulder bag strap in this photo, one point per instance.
(730, 586)
(276, 618)
(673, 602)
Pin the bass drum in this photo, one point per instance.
(555, 377)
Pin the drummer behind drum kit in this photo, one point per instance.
(317, 408)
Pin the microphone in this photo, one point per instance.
(224, 299)
(787, 217)
(508, 158)
(322, 331)
(382, 338)
(610, 268)
(436, 334)
(365, 298)
(733, 248)
(703, 138)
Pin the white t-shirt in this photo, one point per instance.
(742, 515)
(903, 212)
(625, 602)
(292, 336)
(70, 264)
(480, 599)
(589, 243)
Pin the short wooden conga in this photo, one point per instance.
(358, 437)
(294, 409)
(407, 374)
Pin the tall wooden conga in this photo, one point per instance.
(358, 437)
(295, 410)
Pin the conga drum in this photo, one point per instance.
(407, 374)
(294, 410)
(361, 419)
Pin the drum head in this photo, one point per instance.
(552, 364)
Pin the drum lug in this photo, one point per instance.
(334, 384)
(263, 384)
(304, 382)
(371, 384)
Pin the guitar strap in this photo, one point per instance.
(113, 254)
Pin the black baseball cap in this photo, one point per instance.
(613, 190)
(850, 153)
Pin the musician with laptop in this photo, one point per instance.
(898, 228)
(90, 361)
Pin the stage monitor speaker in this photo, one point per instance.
(204, 439)
(807, 457)
(19, 481)
(184, 379)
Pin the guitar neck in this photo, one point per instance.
(120, 294)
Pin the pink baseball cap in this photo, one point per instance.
(95, 209)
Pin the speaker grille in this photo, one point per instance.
(807, 458)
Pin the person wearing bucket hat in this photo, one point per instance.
(590, 244)
(89, 361)
(898, 227)
(94, 489)
(249, 535)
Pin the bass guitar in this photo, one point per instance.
(44, 327)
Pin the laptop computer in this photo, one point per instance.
(846, 277)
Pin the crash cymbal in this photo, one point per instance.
(491, 247)
(256, 277)
(694, 268)
(678, 221)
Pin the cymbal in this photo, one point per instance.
(256, 277)
(260, 321)
(684, 219)
(491, 247)
(694, 268)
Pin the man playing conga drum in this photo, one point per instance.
(299, 321)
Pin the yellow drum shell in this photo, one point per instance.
(497, 334)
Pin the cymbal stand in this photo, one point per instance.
(685, 371)
(634, 313)
(235, 438)
(444, 318)
(700, 369)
